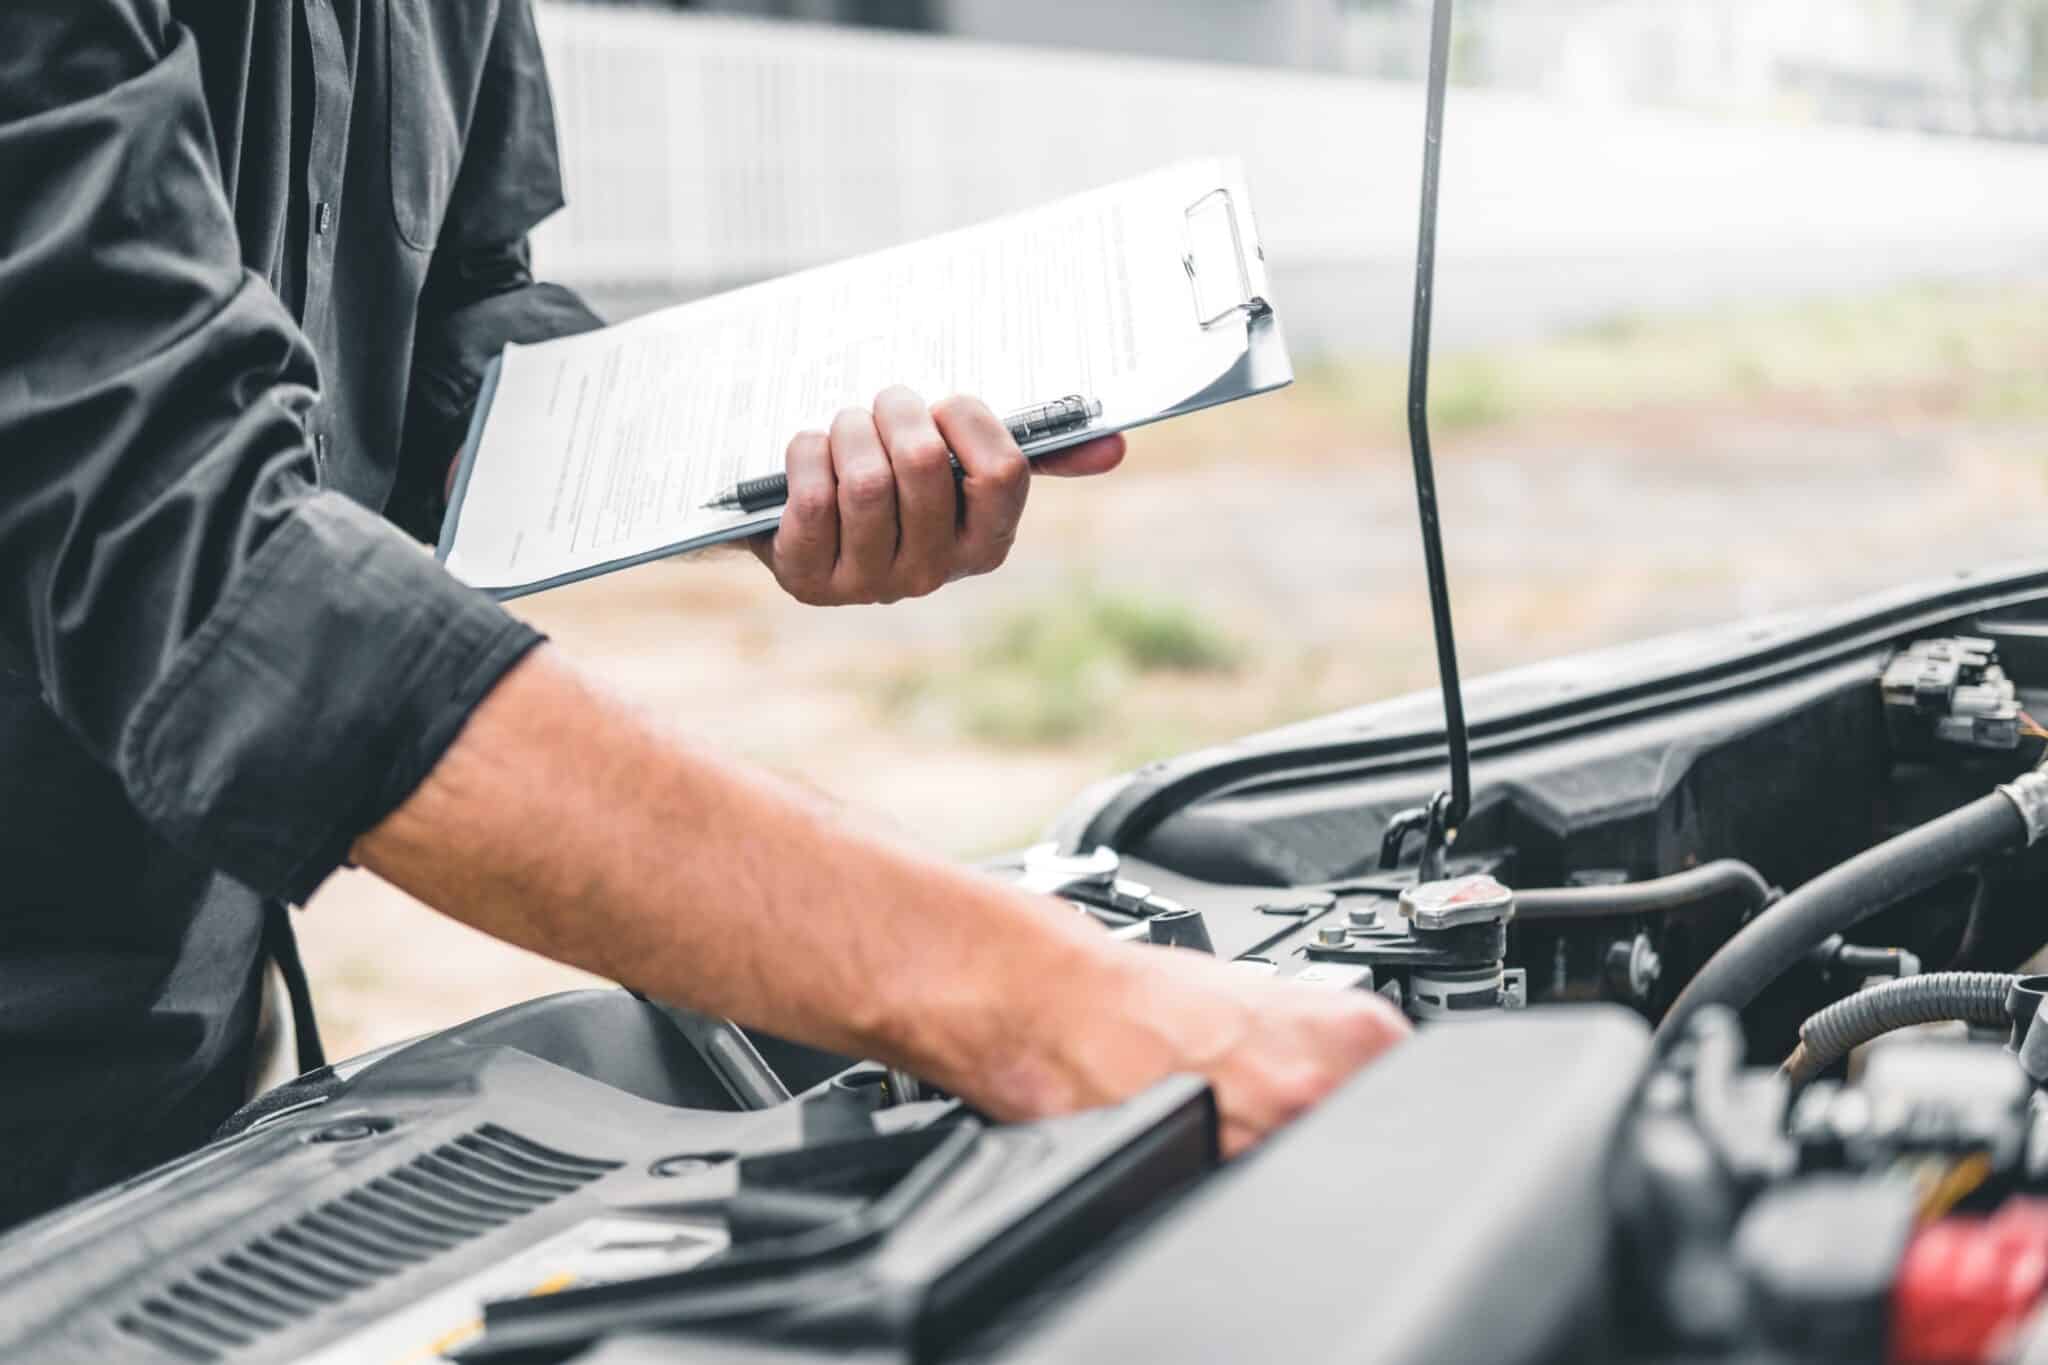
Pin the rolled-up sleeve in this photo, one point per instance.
(268, 668)
(481, 294)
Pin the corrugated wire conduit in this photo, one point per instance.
(1939, 997)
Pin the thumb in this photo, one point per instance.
(1095, 457)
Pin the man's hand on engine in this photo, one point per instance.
(1270, 1049)
(875, 513)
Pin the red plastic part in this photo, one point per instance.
(1967, 1282)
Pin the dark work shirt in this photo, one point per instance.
(253, 257)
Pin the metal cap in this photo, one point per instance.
(2029, 792)
(1477, 899)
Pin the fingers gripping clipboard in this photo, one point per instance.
(595, 452)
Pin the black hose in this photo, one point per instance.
(1849, 1023)
(1842, 897)
(1708, 882)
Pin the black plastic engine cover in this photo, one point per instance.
(1451, 1203)
(579, 1140)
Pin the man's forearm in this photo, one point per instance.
(563, 822)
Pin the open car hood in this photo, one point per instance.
(1551, 702)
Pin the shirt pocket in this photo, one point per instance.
(422, 65)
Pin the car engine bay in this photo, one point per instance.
(1840, 1156)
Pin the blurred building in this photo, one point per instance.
(1976, 67)
(707, 150)
(1261, 32)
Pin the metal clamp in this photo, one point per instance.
(1251, 306)
(1050, 872)
(2029, 793)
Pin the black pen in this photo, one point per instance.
(1061, 417)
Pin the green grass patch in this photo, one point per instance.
(1153, 635)
(1063, 669)
(1468, 392)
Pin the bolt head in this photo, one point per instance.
(354, 1130)
(687, 1164)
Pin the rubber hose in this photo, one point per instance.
(1849, 1023)
(1709, 881)
(1843, 897)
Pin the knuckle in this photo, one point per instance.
(1299, 1088)
(969, 421)
(811, 501)
(996, 546)
(969, 407)
(924, 451)
(1011, 477)
(852, 583)
(868, 487)
(1382, 1027)
(803, 588)
(986, 555)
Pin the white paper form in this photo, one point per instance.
(604, 447)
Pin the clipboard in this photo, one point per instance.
(1223, 265)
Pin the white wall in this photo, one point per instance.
(703, 150)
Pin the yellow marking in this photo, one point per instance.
(1957, 1185)
(474, 1328)
(553, 1284)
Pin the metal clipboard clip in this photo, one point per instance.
(1249, 305)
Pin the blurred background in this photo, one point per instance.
(1742, 308)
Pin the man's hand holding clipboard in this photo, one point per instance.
(899, 500)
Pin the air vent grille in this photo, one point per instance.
(460, 1190)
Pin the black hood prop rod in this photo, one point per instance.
(1446, 811)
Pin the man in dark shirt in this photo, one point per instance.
(253, 257)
